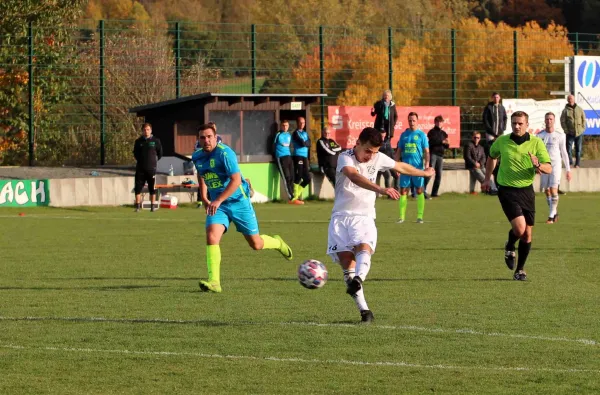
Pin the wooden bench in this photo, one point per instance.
(191, 189)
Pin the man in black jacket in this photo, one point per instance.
(327, 153)
(438, 142)
(494, 119)
(475, 158)
(386, 115)
(147, 150)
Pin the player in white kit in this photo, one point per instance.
(557, 149)
(352, 233)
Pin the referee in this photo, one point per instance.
(147, 150)
(522, 155)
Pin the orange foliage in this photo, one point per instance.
(422, 69)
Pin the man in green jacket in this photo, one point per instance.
(572, 121)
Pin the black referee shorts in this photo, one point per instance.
(142, 177)
(518, 202)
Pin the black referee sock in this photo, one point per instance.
(512, 239)
(524, 249)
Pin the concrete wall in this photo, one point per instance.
(115, 191)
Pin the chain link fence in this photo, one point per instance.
(69, 94)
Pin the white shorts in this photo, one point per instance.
(551, 180)
(346, 232)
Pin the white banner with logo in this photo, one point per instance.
(586, 88)
(536, 109)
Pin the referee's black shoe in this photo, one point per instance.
(520, 276)
(509, 257)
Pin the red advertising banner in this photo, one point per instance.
(348, 121)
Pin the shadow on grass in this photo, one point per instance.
(123, 320)
(106, 288)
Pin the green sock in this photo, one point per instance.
(420, 205)
(271, 243)
(213, 261)
(297, 191)
(403, 204)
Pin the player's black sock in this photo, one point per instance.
(512, 239)
(524, 249)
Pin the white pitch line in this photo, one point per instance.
(411, 328)
(188, 220)
(299, 360)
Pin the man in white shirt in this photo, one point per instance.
(556, 144)
(352, 235)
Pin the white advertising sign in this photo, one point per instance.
(536, 109)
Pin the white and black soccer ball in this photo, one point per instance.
(312, 274)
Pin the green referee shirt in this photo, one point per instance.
(516, 169)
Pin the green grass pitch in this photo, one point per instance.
(103, 300)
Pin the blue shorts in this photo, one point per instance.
(241, 213)
(408, 181)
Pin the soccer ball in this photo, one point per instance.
(312, 274)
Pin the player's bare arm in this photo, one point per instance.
(364, 182)
(427, 157)
(409, 170)
(545, 168)
(235, 180)
(203, 191)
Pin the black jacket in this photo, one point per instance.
(436, 138)
(327, 152)
(474, 154)
(380, 122)
(494, 123)
(147, 152)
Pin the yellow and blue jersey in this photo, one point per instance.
(216, 168)
(412, 145)
(282, 144)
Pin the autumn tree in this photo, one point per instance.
(52, 57)
(139, 69)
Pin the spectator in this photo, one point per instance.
(147, 151)
(572, 121)
(474, 156)
(386, 115)
(327, 153)
(301, 143)
(283, 158)
(438, 142)
(494, 119)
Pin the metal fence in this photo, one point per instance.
(75, 89)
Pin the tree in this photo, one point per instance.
(51, 22)
(139, 69)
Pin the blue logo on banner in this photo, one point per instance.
(592, 122)
(588, 74)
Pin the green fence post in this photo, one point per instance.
(453, 60)
(453, 71)
(576, 43)
(390, 60)
(253, 54)
(177, 60)
(516, 64)
(31, 95)
(102, 102)
(322, 76)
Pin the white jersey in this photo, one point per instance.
(350, 199)
(556, 144)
